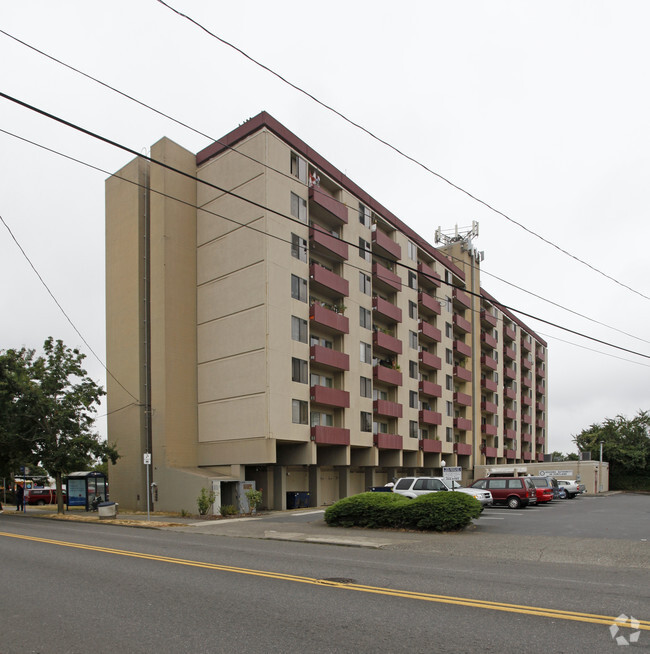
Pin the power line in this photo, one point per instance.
(405, 266)
(400, 152)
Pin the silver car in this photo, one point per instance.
(413, 486)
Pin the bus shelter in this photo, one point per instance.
(83, 487)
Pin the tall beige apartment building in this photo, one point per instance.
(278, 325)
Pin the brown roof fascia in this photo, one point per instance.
(512, 317)
(264, 119)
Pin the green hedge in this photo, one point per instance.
(431, 512)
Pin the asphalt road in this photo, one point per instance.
(72, 587)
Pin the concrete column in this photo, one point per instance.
(344, 481)
(370, 478)
(314, 486)
(279, 499)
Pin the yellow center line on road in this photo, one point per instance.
(405, 594)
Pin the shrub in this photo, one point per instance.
(205, 500)
(227, 509)
(254, 499)
(431, 512)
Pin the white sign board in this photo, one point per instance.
(555, 473)
(147, 458)
(452, 474)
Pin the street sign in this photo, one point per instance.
(147, 458)
(452, 473)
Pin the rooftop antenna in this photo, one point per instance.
(464, 236)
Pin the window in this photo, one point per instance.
(366, 421)
(413, 310)
(449, 357)
(449, 435)
(365, 318)
(412, 251)
(449, 330)
(366, 387)
(298, 247)
(364, 283)
(364, 249)
(298, 329)
(321, 419)
(413, 280)
(299, 370)
(413, 429)
(299, 412)
(298, 288)
(378, 394)
(299, 167)
(365, 352)
(413, 369)
(379, 427)
(298, 207)
(413, 340)
(450, 409)
(449, 383)
(320, 380)
(323, 342)
(364, 215)
(413, 399)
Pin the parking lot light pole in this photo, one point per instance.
(600, 469)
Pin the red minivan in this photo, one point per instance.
(514, 492)
(41, 496)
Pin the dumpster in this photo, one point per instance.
(107, 509)
(297, 499)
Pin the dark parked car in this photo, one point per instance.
(547, 482)
(514, 492)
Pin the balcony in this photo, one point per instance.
(526, 343)
(384, 245)
(330, 435)
(509, 434)
(540, 372)
(509, 353)
(388, 441)
(428, 276)
(430, 389)
(325, 356)
(386, 342)
(490, 452)
(539, 423)
(540, 457)
(489, 385)
(539, 406)
(382, 276)
(527, 456)
(488, 318)
(526, 419)
(539, 440)
(461, 323)
(511, 393)
(489, 430)
(430, 360)
(509, 333)
(510, 454)
(527, 438)
(462, 373)
(428, 305)
(326, 244)
(489, 362)
(328, 320)
(489, 407)
(429, 332)
(527, 380)
(509, 414)
(386, 408)
(463, 424)
(489, 340)
(386, 310)
(526, 401)
(463, 399)
(328, 282)
(327, 207)
(509, 373)
(430, 417)
(462, 348)
(430, 445)
(540, 354)
(461, 298)
(540, 389)
(330, 396)
(526, 363)
(464, 449)
(387, 375)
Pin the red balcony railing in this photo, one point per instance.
(488, 318)
(428, 305)
(462, 298)
(527, 380)
(540, 372)
(540, 354)
(511, 393)
(330, 245)
(462, 398)
(526, 419)
(509, 353)
(526, 363)
(540, 457)
(540, 389)
(539, 406)
(462, 348)
(526, 343)
(386, 408)
(328, 281)
(387, 375)
(510, 434)
(461, 323)
(509, 373)
(430, 445)
(386, 342)
(539, 423)
(489, 407)
(527, 438)
(329, 358)
(328, 319)
(430, 389)
(330, 435)
(388, 441)
(490, 452)
(489, 362)
(330, 396)
(489, 430)
(430, 417)
(384, 276)
(334, 209)
(464, 449)
(463, 424)
(539, 440)
(428, 276)
(526, 401)
(462, 373)
(386, 309)
(430, 360)
(428, 331)
(489, 385)
(509, 333)
(509, 414)
(527, 456)
(510, 454)
(385, 245)
(489, 340)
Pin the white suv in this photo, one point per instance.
(411, 487)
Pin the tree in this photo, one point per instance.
(626, 443)
(53, 411)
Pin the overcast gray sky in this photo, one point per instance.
(539, 109)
